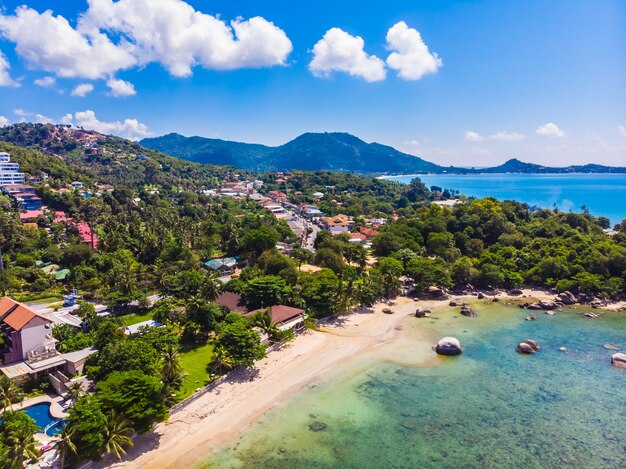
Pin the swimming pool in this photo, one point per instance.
(40, 413)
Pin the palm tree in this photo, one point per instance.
(117, 432)
(21, 447)
(211, 286)
(172, 373)
(9, 393)
(75, 390)
(222, 360)
(264, 322)
(64, 446)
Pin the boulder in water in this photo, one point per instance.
(534, 306)
(317, 426)
(466, 310)
(480, 295)
(422, 313)
(611, 346)
(449, 346)
(618, 360)
(531, 318)
(528, 346)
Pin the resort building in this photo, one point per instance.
(24, 195)
(310, 211)
(28, 348)
(232, 302)
(9, 172)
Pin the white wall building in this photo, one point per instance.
(9, 172)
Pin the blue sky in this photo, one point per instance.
(483, 81)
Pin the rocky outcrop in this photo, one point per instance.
(449, 346)
(619, 360)
(528, 347)
(567, 298)
(466, 310)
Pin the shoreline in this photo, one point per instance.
(216, 418)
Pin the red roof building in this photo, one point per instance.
(84, 231)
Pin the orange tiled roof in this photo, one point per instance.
(6, 305)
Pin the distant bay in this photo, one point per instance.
(603, 194)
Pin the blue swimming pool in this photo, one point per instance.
(40, 413)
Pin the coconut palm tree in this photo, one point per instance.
(75, 390)
(64, 446)
(211, 286)
(117, 432)
(9, 393)
(172, 373)
(21, 447)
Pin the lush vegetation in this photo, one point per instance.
(156, 227)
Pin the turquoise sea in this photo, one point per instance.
(603, 194)
(489, 408)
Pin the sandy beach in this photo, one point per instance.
(217, 417)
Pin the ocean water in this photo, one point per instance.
(603, 194)
(489, 408)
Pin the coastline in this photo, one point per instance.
(216, 418)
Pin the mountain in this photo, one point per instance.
(310, 151)
(516, 166)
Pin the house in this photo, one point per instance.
(310, 211)
(84, 232)
(318, 195)
(31, 215)
(28, 348)
(337, 224)
(284, 317)
(368, 232)
(60, 217)
(139, 327)
(278, 196)
(232, 302)
(225, 265)
(357, 238)
(77, 185)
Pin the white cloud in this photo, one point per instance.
(41, 119)
(20, 112)
(67, 119)
(112, 36)
(3, 121)
(411, 57)
(180, 37)
(339, 51)
(130, 128)
(121, 88)
(505, 136)
(82, 90)
(45, 82)
(550, 130)
(501, 136)
(5, 77)
(50, 43)
(622, 130)
(473, 136)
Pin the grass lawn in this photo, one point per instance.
(130, 319)
(194, 359)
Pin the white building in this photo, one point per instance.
(10, 172)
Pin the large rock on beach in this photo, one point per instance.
(547, 305)
(567, 298)
(528, 347)
(422, 313)
(619, 360)
(449, 346)
(466, 310)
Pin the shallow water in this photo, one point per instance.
(602, 194)
(488, 408)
